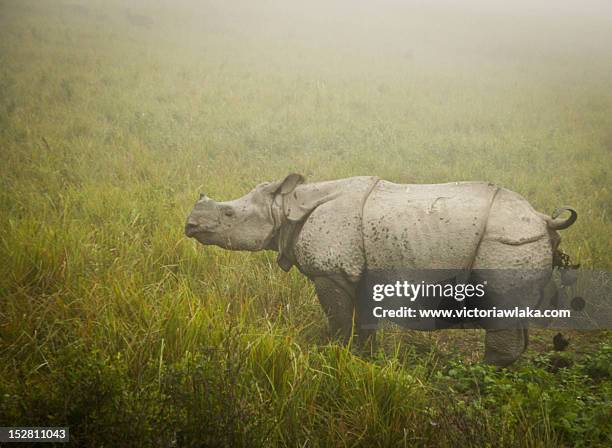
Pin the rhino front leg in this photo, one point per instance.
(503, 347)
(338, 304)
(338, 298)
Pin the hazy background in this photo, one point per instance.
(221, 95)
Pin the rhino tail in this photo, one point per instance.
(554, 221)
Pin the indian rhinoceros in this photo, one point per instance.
(336, 231)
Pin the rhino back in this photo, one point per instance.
(432, 226)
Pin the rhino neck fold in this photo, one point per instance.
(285, 232)
(281, 236)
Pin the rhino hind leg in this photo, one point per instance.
(504, 346)
(516, 275)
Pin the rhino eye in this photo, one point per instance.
(228, 212)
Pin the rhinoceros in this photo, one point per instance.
(336, 231)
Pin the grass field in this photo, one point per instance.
(114, 116)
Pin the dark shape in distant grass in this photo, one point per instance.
(560, 342)
(558, 362)
(578, 303)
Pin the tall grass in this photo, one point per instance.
(113, 323)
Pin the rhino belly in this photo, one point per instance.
(437, 226)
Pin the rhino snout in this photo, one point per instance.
(192, 228)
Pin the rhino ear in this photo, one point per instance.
(290, 182)
(285, 186)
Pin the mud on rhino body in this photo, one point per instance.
(336, 231)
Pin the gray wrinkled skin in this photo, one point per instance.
(319, 228)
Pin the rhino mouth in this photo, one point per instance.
(196, 231)
(204, 237)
